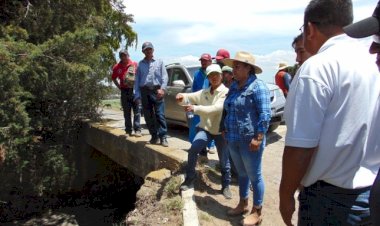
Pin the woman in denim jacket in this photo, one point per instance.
(244, 124)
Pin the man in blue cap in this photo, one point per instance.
(150, 87)
(361, 29)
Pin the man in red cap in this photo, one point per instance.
(123, 74)
(221, 55)
(361, 29)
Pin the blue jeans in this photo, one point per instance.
(374, 201)
(248, 166)
(128, 105)
(325, 204)
(200, 142)
(154, 112)
(193, 130)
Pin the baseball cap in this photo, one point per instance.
(147, 45)
(205, 56)
(222, 54)
(213, 68)
(123, 51)
(366, 27)
(227, 69)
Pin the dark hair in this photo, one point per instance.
(328, 15)
(297, 39)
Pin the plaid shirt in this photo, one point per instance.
(247, 110)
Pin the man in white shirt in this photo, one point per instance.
(364, 28)
(329, 113)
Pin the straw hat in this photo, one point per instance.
(243, 57)
(282, 66)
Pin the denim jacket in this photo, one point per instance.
(246, 110)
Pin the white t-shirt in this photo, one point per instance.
(331, 105)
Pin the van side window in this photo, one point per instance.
(179, 74)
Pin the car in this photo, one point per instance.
(180, 80)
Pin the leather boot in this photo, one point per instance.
(254, 218)
(241, 208)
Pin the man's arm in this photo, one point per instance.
(136, 86)
(116, 83)
(295, 162)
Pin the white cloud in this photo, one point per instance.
(182, 30)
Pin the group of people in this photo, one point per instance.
(332, 113)
(234, 111)
(233, 107)
(332, 152)
(143, 87)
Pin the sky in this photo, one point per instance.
(181, 30)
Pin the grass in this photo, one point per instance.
(173, 204)
(113, 104)
(172, 186)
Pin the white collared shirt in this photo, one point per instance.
(331, 106)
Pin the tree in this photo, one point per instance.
(54, 56)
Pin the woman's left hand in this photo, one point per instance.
(255, 144)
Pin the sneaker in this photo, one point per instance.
(212, 150)
(129, 134)
(227, 192)
(187, 184)
(164, 142)
(154, 140)
(138, 133)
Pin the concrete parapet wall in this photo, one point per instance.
(133, 153)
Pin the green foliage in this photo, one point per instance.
(172, 186)
(292, 70)
(173, 204)
(54, 59)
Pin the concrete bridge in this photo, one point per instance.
(136, 153)
(141, 158)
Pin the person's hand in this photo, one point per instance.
(287, 208)
(189, 108)
(255, 144)
(179, 97)
(160, 93)
(256, 141)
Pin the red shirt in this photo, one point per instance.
(120, 70)
(280, 81)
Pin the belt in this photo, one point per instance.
(150, 87)
(322, 184)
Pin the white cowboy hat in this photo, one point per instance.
(243, 57)
(282, 66)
